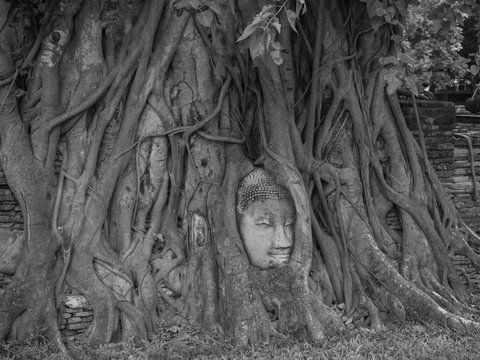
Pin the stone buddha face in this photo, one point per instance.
(266, 220)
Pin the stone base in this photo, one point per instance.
(77, 316)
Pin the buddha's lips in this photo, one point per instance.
(279, 253)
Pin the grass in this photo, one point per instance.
(410, 341)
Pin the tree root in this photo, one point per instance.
(363, 301)
(319, 274)
(411, 297)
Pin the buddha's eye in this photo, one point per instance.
(290, 222)
(265, 223)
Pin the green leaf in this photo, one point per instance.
(402, 7)
(276, 45)
(249, 30)
(393, 84)
(380, 11)
(459, 19)
(392, 80)
(256, 46)
(276, 57)
(466, 9)
(405, 58)
(445, 30)
(263, 15)
(410, 85)
(205, 18)
(474, 69)
(276, 24)
(266, 11)
(300, 8)
(437, 25)
(292, 18)
(375, 12)
(373, 7)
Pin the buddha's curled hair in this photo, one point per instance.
(258, 185)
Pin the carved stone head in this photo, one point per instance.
(266, 220)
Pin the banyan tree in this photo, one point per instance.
(228, 163)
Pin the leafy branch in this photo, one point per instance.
(261, 33)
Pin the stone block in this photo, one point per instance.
(84, 313)
(76, 301)
(74, 320)
(67, 332)
(77, 326)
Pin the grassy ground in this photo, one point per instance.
(410, 341)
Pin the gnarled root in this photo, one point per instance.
(199, 286)
(410, 295)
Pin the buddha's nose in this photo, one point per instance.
(283, 237)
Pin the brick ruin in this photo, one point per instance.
(461, 187)
(447, 134)
(445, 137)
(77, 316)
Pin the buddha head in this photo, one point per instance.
(266, 220)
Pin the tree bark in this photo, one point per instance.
(157, 111)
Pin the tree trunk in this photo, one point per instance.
(158, 113)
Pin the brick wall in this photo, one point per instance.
(461, 186)
(438, 124)
(449, 153)
(76, 318)
(10, 212)
(437, 119)
(450, 157)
